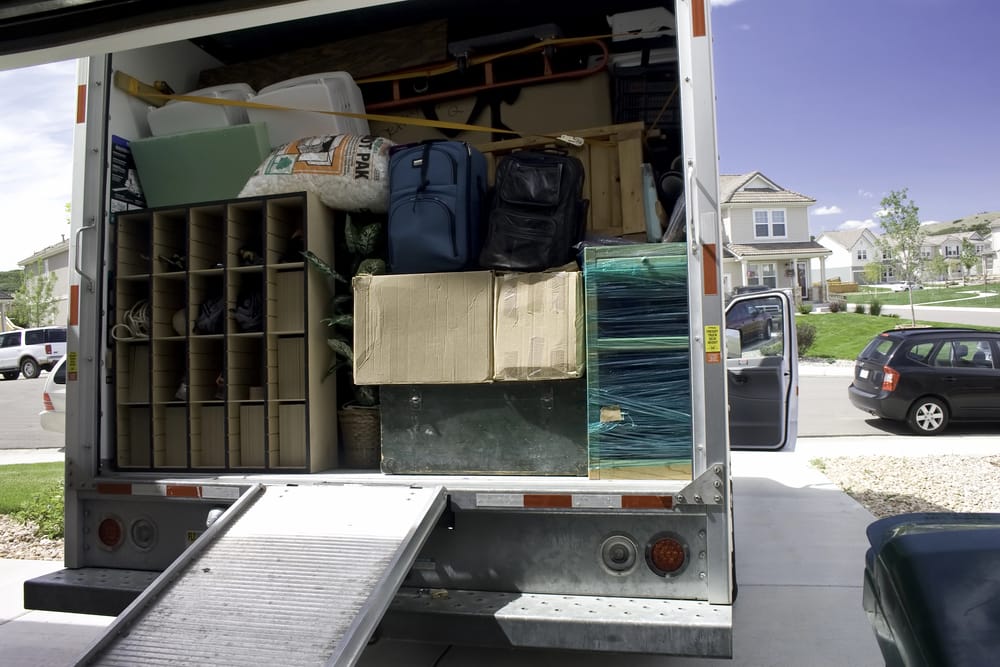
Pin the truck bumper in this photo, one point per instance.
(578, 622)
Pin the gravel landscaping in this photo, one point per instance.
(18, 540)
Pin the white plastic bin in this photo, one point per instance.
(177, 116)
(327, 91)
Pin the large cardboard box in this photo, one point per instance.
(573, 104)
(432, 328)
(538, 329)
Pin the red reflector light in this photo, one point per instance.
(47, 402)
(111, 532)
(666, 555)
(890, 379)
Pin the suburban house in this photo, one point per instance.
(767, 237)
(55, 260)
(949, 246)
(851, 251)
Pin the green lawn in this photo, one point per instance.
(967, 296)
(844, 335)
(20, 482)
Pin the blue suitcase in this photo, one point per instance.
(436, 195)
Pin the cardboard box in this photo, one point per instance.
(573, 104)
(538, 326)
(430, 328)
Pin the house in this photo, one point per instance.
(767, 237)
(852, 251)
(54, 259)
(949, 246)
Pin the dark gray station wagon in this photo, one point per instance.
(929, 377)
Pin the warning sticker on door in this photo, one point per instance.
(713, 344)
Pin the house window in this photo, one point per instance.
(925, 253)
(979, 248)
(769, 224)
(862, 253)
(951, 251)
(762, 274)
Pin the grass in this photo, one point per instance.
(33, 492)
(844, 335)
(960, 295)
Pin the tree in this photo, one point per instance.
(902, 235)
(34, 304)
(968, 257)
(873, 272)
(938, 267)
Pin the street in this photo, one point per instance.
(20, 403)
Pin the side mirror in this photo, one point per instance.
(733, 348)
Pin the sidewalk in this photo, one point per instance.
(800, 546)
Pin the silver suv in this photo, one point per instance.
(30, 351)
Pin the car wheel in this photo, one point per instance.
(928, 416)
(29, 368)
(11, 375)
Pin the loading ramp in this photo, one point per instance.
(289, 575)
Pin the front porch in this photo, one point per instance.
(777, 265)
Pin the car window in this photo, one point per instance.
(60, 375)
(878, 350)
(55, 335)
(964, 353)
(34, 337)
(921, 352)
(12, 339)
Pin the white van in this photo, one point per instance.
(30, 351)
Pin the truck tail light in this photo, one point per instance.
(666, 555)
(890, 378)
(143, 533)
(111, 532)
(47, 402)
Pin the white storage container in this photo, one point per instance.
(327, 91)
(177, 116)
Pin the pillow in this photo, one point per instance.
(347, 172)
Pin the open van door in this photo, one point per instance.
(763, 373)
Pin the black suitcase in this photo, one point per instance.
(538, 213)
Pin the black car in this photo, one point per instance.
(752, 321)
(929, 377)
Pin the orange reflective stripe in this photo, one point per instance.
(699, 22)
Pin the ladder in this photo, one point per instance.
(289, 575)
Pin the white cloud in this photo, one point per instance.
(723, 3)
(37, 119)
(864, 194)
(827, 210)
(743, 26)
(930, 222)
(850, 225)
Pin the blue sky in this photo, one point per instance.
(844, 101)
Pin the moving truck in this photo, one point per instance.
(229, 497)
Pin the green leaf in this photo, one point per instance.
(319, 264)
(341, 347)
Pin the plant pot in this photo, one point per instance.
(360, 430)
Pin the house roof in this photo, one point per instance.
(789, 250)
(756, 188)
(847, 238)
(45, 253)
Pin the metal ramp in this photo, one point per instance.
(289, 575)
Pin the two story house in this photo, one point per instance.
(767, 237)
(949, 246)
(851, 251)
(53, 260)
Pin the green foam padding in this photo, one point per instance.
(199, 166)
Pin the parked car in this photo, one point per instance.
(28, 352)
(753, 322)
(53, 414)
(904, 285)
(929, 377)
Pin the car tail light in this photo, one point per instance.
(47, 402)
(48, 348)
(890, 379)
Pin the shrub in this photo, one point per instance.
(876, 307)
(835, 306)
(859, 309)
(805, 308)
(806, 334)
(45, 510)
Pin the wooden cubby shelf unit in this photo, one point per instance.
(248, 393)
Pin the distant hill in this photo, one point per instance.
(965, 224)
